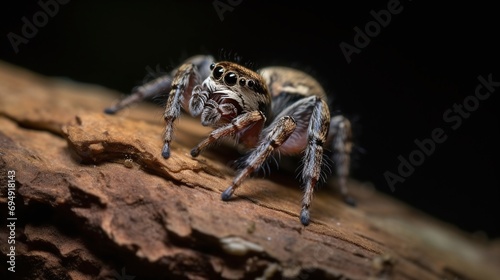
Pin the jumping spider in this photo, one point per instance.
(276, 109)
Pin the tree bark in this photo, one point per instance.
(94, 199)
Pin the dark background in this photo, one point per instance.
(395, 90)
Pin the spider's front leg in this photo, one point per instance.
(185, 81)
(237, 125)
(280, 132)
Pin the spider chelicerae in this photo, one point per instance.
(273, 110)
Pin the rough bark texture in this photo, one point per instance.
(95, 200)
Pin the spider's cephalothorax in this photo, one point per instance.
(276, 109)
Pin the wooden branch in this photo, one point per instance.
(95, 200)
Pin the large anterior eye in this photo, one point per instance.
(217, 72)
(230, 78)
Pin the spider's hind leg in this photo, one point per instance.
(340, 139)
(317, 132)
(153, 88)
(161, 85)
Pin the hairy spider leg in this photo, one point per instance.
(153, 88)
(340, 139)
(182, 86)
(238, 124)
(313, 157)
(161, 84)
(281, 130)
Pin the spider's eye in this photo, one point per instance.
(212, 66)
(230, 78)
(217, 72)
(242, 82)
(251, 84)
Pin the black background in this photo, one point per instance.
(395, 90)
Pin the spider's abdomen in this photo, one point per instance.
(287, 85)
